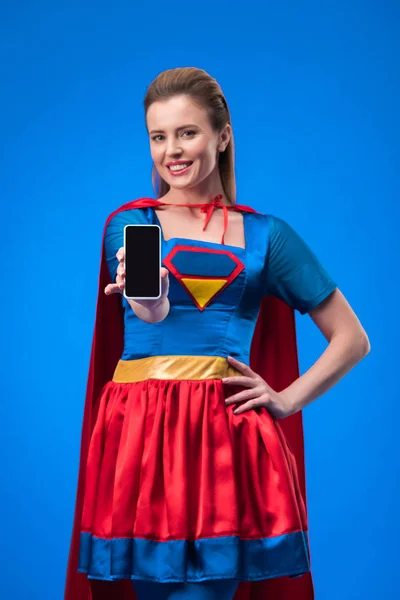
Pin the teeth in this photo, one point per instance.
(179, 167)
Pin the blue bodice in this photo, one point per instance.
(216, 289)
(215, 294)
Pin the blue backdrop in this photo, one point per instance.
(314, 95)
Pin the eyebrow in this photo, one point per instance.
(178, 129)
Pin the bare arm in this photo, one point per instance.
(348, 344)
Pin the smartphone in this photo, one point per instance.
(142, 245)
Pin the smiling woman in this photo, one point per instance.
(192, 464)
(188, 118)
(186, 152)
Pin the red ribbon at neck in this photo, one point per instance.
(208, 208)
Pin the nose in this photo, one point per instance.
(173, 147)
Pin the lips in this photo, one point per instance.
(179, 167)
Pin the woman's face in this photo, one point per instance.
(183, 145)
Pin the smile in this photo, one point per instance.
(179, 168)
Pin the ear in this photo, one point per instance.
(224, 138)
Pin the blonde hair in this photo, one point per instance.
(205, 91)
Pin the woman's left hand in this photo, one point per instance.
(259, 393)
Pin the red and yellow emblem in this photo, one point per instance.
(190, 266)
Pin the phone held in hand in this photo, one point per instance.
(142, 245)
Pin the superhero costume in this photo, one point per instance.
(180, 489)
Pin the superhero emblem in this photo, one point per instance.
(188, 265)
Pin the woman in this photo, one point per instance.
(191, 477)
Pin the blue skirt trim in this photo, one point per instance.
(198, 560)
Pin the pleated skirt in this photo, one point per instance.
(179, 488)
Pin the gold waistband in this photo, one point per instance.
(173, 367)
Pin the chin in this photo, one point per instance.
(180, 185)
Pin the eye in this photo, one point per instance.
(157, 138)
(189, 133)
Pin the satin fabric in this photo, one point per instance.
(169, 461)
(173, 367)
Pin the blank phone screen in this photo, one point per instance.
(142, 261)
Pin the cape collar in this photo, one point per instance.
(208, 208)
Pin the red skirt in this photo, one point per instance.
(179, 488)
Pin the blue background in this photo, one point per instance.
(314, 96)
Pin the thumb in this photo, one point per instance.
(112, 288)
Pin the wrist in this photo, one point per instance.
(160, 310)
(152, 311)
(292, 401)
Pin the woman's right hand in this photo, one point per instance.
(119, 286)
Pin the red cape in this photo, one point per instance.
(273, 356)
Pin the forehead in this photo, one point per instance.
(174, 112)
